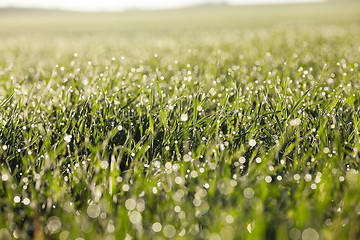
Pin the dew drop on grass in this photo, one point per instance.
(252, 142)
(135, 217)
(326, 150)
(177, 209)
(250, 227)
(328, 222)
(268, 179)
(168, 165)
(157, 164)
(130, 204)
(176, 167)
(169, 231)
(67, 138)
(17, 233)
(249, 193)
(4, 234)
(17, 199)
(215, 236)
(26, 201)
(197, 202)
(53, 225)
(68, 207)
(295, 122)
(4, 177)
(187, 157)
(104, 164)
(229, 219)
(178, 180)
(93, 211)
(110, 228)
(194, 174)
(184, 117)
(295, 234)
(233, 183)
(119, 179)
(156, 227)
(310, 234)
(225, 187)
(125, 187)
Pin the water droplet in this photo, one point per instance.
(184, 117)
(53, 225)
(229, 219)
(225, 187)
(295, 234)
(4, 177)
(93, 211)
(26, 201)
(187, 157)
(4, 234)
(295, 122)
(130, 204)
(249, 193)
(104, 164)
(268, 179)
(310, 234)
(125, 187)
(135, 217)
(169, 231)
(67, 138)
(17, 199)
(252, 142)
(156, 227)
(178, 180)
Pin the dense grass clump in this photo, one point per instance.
(223, 134)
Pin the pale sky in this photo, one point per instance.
(115, 5)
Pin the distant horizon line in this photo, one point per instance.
(224, 3)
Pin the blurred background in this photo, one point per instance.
(31, 16)
(114, 5)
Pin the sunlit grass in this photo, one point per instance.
(217, 134)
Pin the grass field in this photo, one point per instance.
(200, 123)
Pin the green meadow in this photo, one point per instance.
(209, 122)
